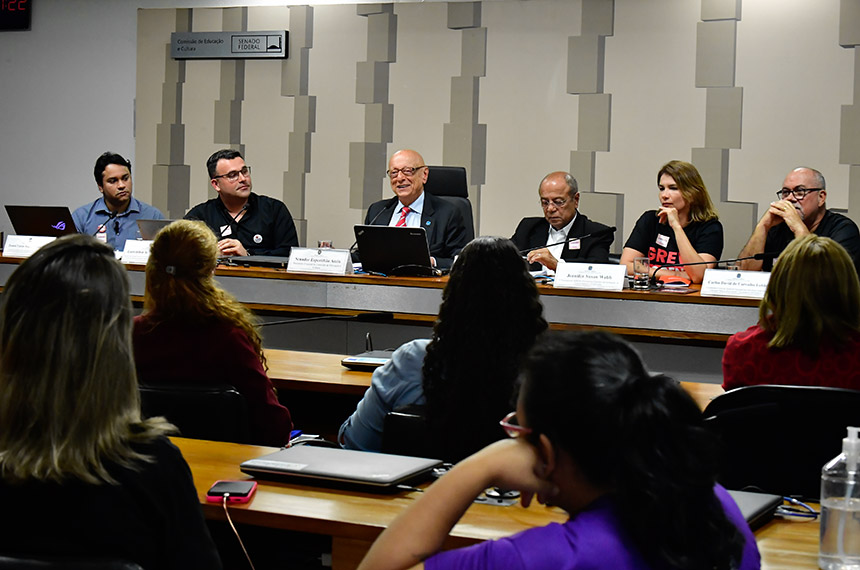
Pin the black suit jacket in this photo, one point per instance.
(532, 232)
(446, 231)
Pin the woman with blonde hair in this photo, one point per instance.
(192, 331)
(808, 331)
(81, 474)
(684, 230)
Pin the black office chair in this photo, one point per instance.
(449, 183)
(777, 438)
(404, 432)
(215, 411)
(8, 561)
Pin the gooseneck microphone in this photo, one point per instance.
(758, 257)
(593, 234)
(111, 216)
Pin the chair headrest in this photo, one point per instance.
(447, 181)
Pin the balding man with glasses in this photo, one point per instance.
(245, 223)
(800, 209)
(562, 223)
(412, 207)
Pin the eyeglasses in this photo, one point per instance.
(233, 175)
(512, 427)
(557, 202)
(798, 193)
(407, 172)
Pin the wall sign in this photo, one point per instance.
(228, 45)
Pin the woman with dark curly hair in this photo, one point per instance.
(489, 318)
(623, 452)
(191, 330)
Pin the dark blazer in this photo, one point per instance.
(532, 232)
(446, 231)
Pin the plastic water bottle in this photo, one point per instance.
(839, 546)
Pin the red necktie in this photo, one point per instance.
(402, 221)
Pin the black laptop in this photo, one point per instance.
(390, 250)
(54, 221)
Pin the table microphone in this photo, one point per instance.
(758, 257)
(597, 233)
(111, 216)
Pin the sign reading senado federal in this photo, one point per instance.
(228, 45)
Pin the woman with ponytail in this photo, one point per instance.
(622, 452)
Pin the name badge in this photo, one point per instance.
(595, 276)
(24, 246)
(662, 240)
(226, 231)
(744, 284)
(136, 251)
(573, 244)
(321, 260)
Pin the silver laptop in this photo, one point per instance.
(52, 221)
(329, 465)
(148, 228)
(757, 508)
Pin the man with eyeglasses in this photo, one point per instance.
(799, 210)
(559, 227)
(412, 207)
(244, 222)
(112, 219)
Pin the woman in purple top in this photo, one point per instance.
(624, 453)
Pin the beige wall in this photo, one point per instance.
(794, 74)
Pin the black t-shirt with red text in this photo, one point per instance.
(657, 240)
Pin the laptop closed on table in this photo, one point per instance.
(394, 251)
(257, 261)
(52, 221)
(757, 508)
(335, 466)
(148, 228)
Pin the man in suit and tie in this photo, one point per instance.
(412, 207)
(561, 225)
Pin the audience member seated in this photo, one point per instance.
(245, 223)
(684, 230)
(801, 209)
(808, 331)
(81, 474)
(112, 219)
(489, 317)
(561, 221)
(191, 330)
(624, 453)
(413, 207)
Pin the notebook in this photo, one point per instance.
(394, 251)
(757, 508)
(52, 221)
(148, 228)
(340, 467)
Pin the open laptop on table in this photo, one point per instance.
(329, 466)
(52, 221)
(390, 250)
(148, 228)
(757, 508)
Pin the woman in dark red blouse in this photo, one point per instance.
(194, 331)
(809, 323)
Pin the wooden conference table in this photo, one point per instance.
(355, 519)
(651, 314)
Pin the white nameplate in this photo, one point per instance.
(736, 283)
(597, 276)
(320, 260)
(24, 246)
(136, 251)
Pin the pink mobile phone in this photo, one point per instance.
(238, 491)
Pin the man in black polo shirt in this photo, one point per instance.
(799, 210)
(245, 223)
